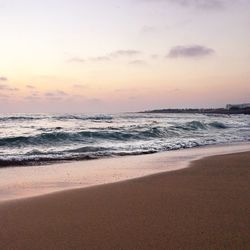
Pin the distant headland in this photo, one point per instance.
(230, 109)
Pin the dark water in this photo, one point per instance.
(38, 138)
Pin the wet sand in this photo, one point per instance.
(205, 206)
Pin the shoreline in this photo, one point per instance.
(203, 206)
(25, 182)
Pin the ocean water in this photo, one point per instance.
(31, 139)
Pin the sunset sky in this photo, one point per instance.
(123, 55)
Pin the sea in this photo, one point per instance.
(35, 139)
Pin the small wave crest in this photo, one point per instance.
(56, 117)
(19, 118)
(84, 117)
(59, 137)
(197, 125)
(218, 125)
(55, 138)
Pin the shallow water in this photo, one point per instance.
(21, 182)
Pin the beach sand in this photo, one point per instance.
(205, 206)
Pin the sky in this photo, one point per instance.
(123, 55)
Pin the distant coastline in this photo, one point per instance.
(225, 111)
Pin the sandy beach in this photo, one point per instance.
(205, 206)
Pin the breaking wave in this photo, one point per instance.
(36, 139)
